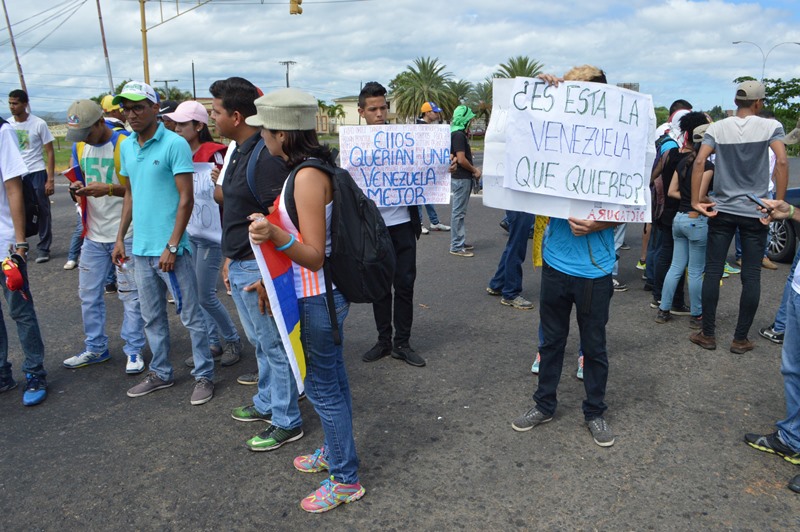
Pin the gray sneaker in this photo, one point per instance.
(203, 391)
(601, 432)
(248, 379)
(216, 354)
(530, 419)
(232, 354)
(150, 384)
(518, 302)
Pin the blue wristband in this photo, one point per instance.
(287, 245)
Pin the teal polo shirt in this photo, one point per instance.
(151, 170)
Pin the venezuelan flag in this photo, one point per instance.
(75, 175)
(278, 274)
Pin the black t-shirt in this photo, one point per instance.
(270, 174)
(460, 142)
(674, 156)
(685, 184)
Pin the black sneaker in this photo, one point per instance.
(7, 383)
(771, 334)
(663, 316)
(655, 303)
(111, 288)
(619, 286)
(273, 438)
(794, 484)
(771, 443)
(377, 352)
(683, 310)
(404, 352)
(696, 322)
(248, 379)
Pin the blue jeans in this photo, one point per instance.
(653, 249)
(508, 276)
(152, 283)
(460, 190)
(76, 241)
(690, 236)
(95, 262)
(619, 239)
(432, 216)
(207, 258)
(789, 428)
(591, 298)
(327, 385)
(720, 233)
(30, 338)
(779, 325)
(37, 181)
(277, 390)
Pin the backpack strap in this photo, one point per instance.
(291, 210)
(251, 171)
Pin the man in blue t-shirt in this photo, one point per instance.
(159, 198)
(578, 259)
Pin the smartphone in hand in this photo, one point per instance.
(755, 199)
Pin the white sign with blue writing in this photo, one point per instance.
(205, 221)
(398, 164)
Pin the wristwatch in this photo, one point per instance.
(172, 249)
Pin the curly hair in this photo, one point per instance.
(586, 73)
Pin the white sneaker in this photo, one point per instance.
(135, 364)
(70, 265)
(440, 227)
(425, 230)
(86, 358)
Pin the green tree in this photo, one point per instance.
(174, 93)
(716, 113)
(519, 67)
(662, 114)
(480, 99)
(457, 93)
(423, 81)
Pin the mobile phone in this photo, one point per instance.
(755, 199)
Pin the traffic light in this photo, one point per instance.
(294, 7)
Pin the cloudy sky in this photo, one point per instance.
(673, 48)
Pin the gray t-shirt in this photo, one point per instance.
(742, 161)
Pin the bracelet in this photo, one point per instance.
(110, 189)
(22, 245)
(287, 245)
(791, 211)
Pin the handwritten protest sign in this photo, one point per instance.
(563, 204)
(398, 164)
(204, 222)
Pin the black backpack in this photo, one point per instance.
(30, 201)
(362, 259)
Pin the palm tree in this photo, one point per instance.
(457, 93)
(424, 81)
(480, 99)
(521, 66)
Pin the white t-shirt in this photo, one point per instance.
(11, 165)
(395, 215)
(231, 149)
(105, 212)
(32, 135)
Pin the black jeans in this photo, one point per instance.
(405, 249)
(591, 298)
(721, 229)
(663, 262)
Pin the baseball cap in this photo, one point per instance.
(285, 110)
(750, 91)
(107, 103)
(793, 137)
(167, 106)
(188, 111)
(699, 132)
(427, 107)
(136, 91)
(81, 116)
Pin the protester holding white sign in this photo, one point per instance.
(577, 261)
(205, 230)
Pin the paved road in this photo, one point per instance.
(436, 447)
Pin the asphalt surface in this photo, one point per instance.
(436, 446)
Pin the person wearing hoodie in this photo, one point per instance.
(461, 180)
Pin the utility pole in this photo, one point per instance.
(105, 49)
(194, 85)
(14, 48)
(145, 59)
(288, 64)
(166, 83)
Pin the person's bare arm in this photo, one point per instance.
(584, 227)
(50, 155)
(674, 191)
(781, 172)
(698, 169)
(118, 254)
(185, 185)
(16, 204)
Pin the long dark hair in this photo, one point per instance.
(688, 123)
(301, 145)
(204, 135)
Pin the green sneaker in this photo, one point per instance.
(249, 413)
(273, 438)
